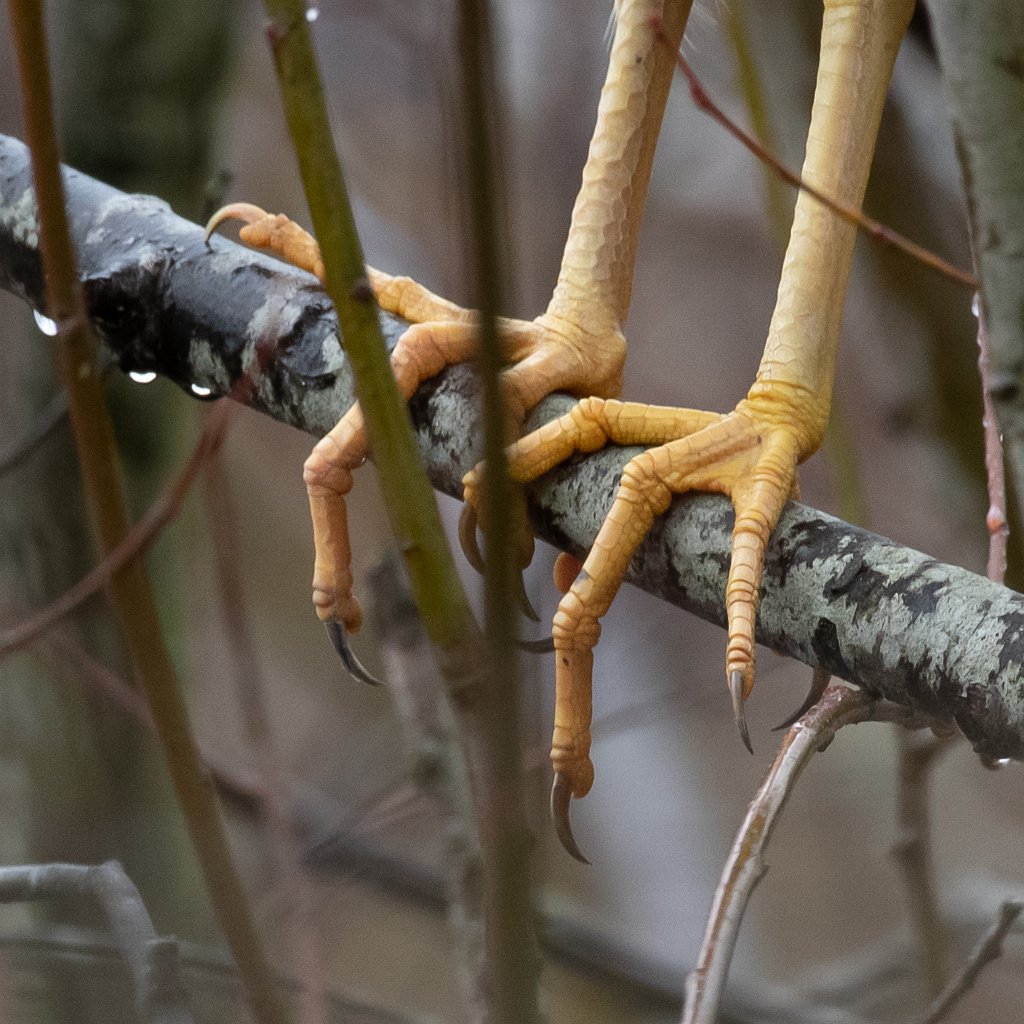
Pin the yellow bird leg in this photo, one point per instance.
(750, 454)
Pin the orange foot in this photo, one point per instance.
(545, 355)
(750, 455)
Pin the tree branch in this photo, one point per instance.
(160, 996)
(884, 617)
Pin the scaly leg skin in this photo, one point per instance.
(575, 346)
(750, 454)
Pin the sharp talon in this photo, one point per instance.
(546, 645)
(467, 537)
(524, 601)
(736, 690)
(561, 797)
(818, 683)
(246, 212)
(339, 640)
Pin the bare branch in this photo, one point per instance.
(884, 617)
(438, 768)
(745, 865)
(159, 989)
(988, 949)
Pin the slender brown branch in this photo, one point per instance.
(133, 545)
(989, 948)
(505, 839)
(132, 597)
(439, 771)
(917, 755)
(745, 866)
(995, 471)
(274, 803)
(871, 227)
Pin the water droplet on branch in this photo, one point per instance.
(45, 324)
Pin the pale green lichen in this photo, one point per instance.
(19, 218)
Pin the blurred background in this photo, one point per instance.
(179, 99)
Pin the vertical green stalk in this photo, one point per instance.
(129, 589)
(407, 492)
(481, 691)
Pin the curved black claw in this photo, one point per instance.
(561, 797)
(471, 549)
(339, 640)
(736, 691)
(523, 600)
(819, 680)
(545, 645)
(467, 537)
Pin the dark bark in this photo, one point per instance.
(882, 616)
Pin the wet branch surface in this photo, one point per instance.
(892, 620)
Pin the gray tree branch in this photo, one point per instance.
(889, 619)
(160, 996)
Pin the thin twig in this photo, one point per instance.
(274, 804)
(159, 989)
(506, 841)
(136, 540)
(133, 600)
(995, 471)
(871, 227)
(745, 865)
(912, 851)
(438, 770)
(989, 948)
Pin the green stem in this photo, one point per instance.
(130, 592)
(407, 492)
(480, 689)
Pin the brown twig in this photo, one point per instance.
(439, 770)
(745, 865)
(274, 802)
(136, 540)
(995, 473)
(912, 852)
(506, 843)
(871, 227)
(133, 600)
(989, 948)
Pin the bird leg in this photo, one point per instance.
(751, 453)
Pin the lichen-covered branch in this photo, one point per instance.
(885, 617)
